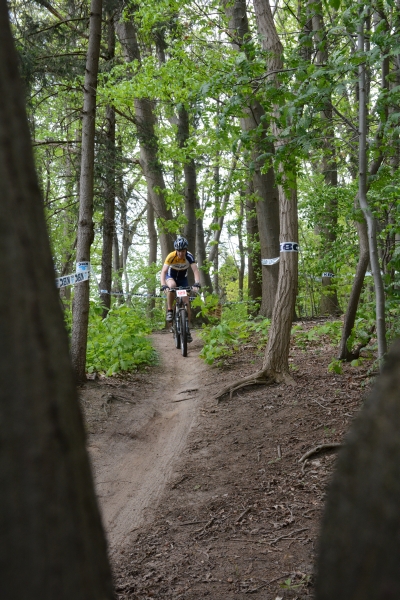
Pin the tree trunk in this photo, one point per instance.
(346, 353)
(85, 225)
(201, 257)
(145, 124)
(189, 169)
(109, 215)
(53, 545)
(362, 193)
(152, 232)
(359, 544)
(276, 363)
(109, 200)
(329, 300)
(265, 189)
(276, 359)
(253, 252)
(241, 248)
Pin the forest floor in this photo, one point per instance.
(205, 499)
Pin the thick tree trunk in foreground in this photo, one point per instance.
(52, 542)
(359, 547)
(85, 225)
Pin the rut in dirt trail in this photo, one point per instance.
(140, 447)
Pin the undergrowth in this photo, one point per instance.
(119, 342)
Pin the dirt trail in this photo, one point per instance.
(135, 455)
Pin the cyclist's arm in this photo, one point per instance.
(196, 271)
(163, 274)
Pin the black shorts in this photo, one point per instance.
(180, 279)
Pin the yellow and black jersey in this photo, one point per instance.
(178, 265)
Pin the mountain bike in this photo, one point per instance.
(180, 321)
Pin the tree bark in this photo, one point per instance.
(145, 124)
(329, 301)
(276, 364)
(110, 187)
(189, 170)
(53, 545)
(109, 215)
(152, 232)
(276, 359)
(362, 194)
(267, 206)
(85, 225)
(201, 256)
(253, 252)
(359, 545)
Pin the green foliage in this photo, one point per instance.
(119, 342)
(329, 332)
(234, 330)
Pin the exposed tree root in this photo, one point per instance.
(263, 377)
(319, 448)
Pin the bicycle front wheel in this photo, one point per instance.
(183, 323)
(177, 337)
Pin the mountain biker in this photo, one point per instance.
(174, 274)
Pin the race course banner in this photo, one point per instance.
(72, 279)
(289, 247)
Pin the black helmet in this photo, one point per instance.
(181, 243)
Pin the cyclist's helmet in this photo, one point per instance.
(181, 243)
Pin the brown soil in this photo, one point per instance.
(201, 499)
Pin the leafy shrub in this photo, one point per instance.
(234, 330)
(119, 342)
(330, 330)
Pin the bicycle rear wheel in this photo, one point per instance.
(177, 337)
(183, 323)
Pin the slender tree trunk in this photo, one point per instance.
(276, 363)
(276, 359)
(329, 300)
(241, 248)
(265, 189)
(52, 541)
(362, 192)
(109, 214)
(152, 231)
(253, 252)
(85, 226)
(109, 201)
(145, 123)
(189, 169)
(201, 256)
(345, 353)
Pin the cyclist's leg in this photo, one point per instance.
(171, 283)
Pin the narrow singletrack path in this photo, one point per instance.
(136, 453)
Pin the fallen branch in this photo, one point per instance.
(200, 531)
(287, 536)
(244, 513)
(319, 448)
